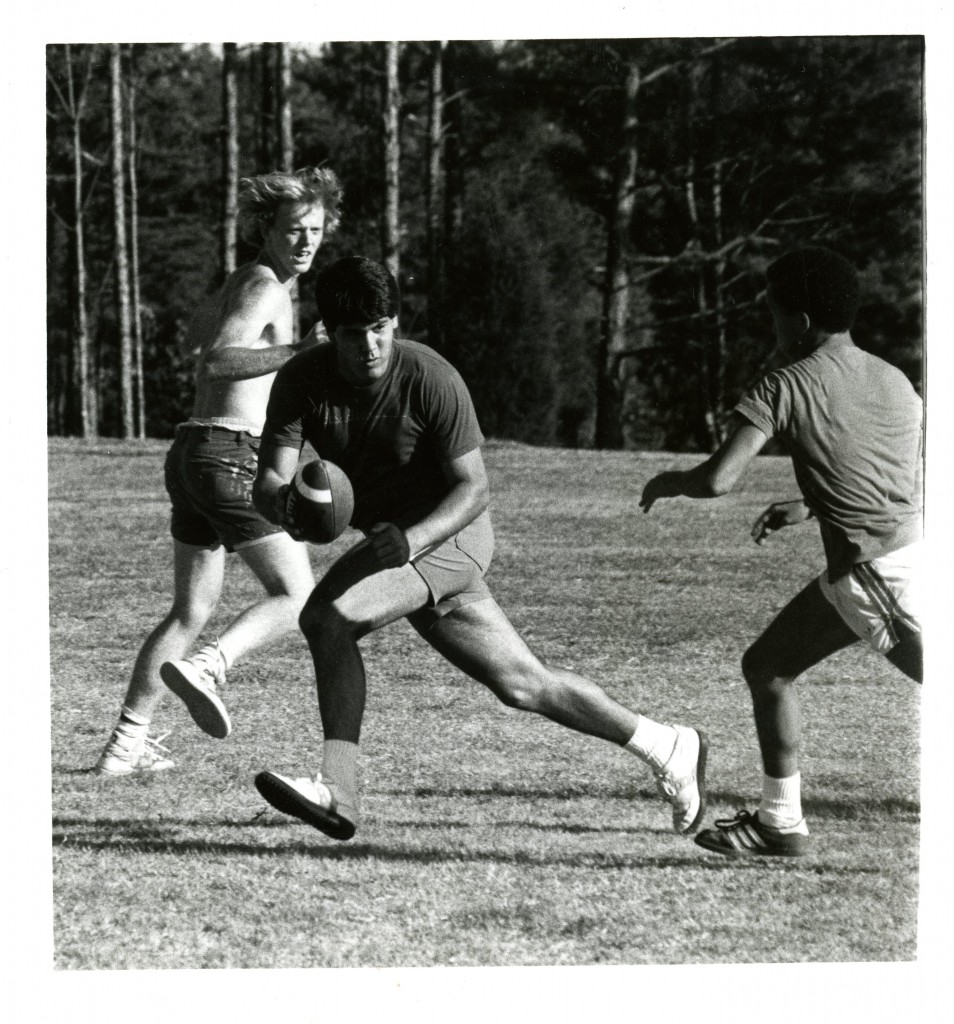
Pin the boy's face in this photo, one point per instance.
(790, 328)
(364, 350)
(294, 237)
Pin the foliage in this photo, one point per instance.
(745, 148)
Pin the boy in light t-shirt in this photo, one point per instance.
(852, 425)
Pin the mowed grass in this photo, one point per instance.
(488, 837)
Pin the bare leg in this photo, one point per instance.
(806, 631)
(198, 584)
(479, 639)
(284, 570)
(352, 600)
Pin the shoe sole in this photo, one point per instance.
(105, 773)
(288, 800)
(207, 711)
(701, 762)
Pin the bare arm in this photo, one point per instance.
(712, 478)
(276, 468)
(262, 309)
(468, 497)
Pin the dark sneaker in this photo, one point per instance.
(308, 799)
(195, 681)
(682, 780)
(745, 836)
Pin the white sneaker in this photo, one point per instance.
(126, 753)
(195, 682)
(682, 780)
(308, 799)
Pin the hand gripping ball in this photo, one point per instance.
(320, 501)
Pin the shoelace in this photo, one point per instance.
(742, 817)
(209, 661)
(155, 743)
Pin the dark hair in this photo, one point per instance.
(819, 283)
(356, 290)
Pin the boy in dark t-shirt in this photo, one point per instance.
(852, 425)
(398, 419)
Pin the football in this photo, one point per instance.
(320, 501)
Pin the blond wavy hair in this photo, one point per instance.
(260, 197)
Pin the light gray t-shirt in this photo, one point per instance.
(852, 424)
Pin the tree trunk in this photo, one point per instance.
(391, 225)
(286, 146)
(83, 383)
(616, 284)
(435, 205)
(286, 143)
(131, 154)
(717, 354)
(230, 157)
(120, 251)
(453, 163)
(266, 140)
(720, 340)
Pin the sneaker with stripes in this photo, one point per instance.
(746, 836)
(196, 682)
(131, 750)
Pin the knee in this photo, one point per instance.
(315, 617)
(192, 614)
(321, 618)
(520, 689)
(760, 672)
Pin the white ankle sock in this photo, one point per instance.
(132, 721)
(781, 803)
(652, 742)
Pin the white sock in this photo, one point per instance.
(339, 771)
(652, 742)
(132, 722)
(781, 803)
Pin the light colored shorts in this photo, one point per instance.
(454, 572)
(880, 599)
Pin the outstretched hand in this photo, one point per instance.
(777, 516)
(389, 545)
(664, 485)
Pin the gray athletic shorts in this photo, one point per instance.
(454, 572)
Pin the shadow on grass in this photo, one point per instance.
(814, 806)
(132, 837)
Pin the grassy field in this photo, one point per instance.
(488, 838)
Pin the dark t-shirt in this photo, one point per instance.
(391, 437)
(852, 425)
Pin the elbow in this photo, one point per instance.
(718, 486)
(212, 371)
(715, 483)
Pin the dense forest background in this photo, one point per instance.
(580, 226)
